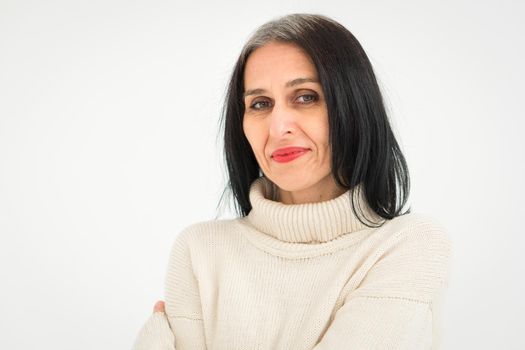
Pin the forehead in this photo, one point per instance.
(276, 63)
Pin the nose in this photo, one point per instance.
(282, 121)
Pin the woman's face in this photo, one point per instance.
(285, 107)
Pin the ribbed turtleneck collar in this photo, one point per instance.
(304, 223)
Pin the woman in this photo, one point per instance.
(322, 255)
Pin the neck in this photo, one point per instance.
(324, 190)
(308, 222)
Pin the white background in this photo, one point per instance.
(108, 125)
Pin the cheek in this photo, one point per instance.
(324, 131)
(247, 129)
(319, 134)
(320, 137)
(254, 134)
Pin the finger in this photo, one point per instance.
(159, 306)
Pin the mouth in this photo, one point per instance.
(287, 153)
(284, 156)
(288, 150)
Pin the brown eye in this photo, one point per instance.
(259, 105)
(307, 98)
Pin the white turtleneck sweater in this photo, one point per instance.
(302, 277)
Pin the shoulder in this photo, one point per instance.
(200, 246)
(420, 241)
(410, 258)
(207, 233)
(418, 226)
(416, 221)
(204, 228)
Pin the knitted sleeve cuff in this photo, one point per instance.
(156, 334)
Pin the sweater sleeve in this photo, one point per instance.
(155, 334)
(397, 305)
(181, 326)
(183, 303)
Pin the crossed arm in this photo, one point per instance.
(372, 316)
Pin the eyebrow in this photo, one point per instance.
(291, 83)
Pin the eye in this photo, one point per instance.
(257, 105)
(307, 98)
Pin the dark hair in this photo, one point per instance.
(364, 148)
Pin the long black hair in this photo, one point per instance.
(364, 149)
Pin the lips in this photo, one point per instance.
(288, 150)
(288, 154)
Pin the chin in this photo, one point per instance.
(291, 184)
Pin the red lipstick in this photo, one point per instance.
(283, 155)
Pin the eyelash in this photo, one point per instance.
(313, 99)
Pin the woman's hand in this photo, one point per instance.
(156, 333)
(159, 307)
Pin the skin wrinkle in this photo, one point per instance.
(278, 77)
(291, 83)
